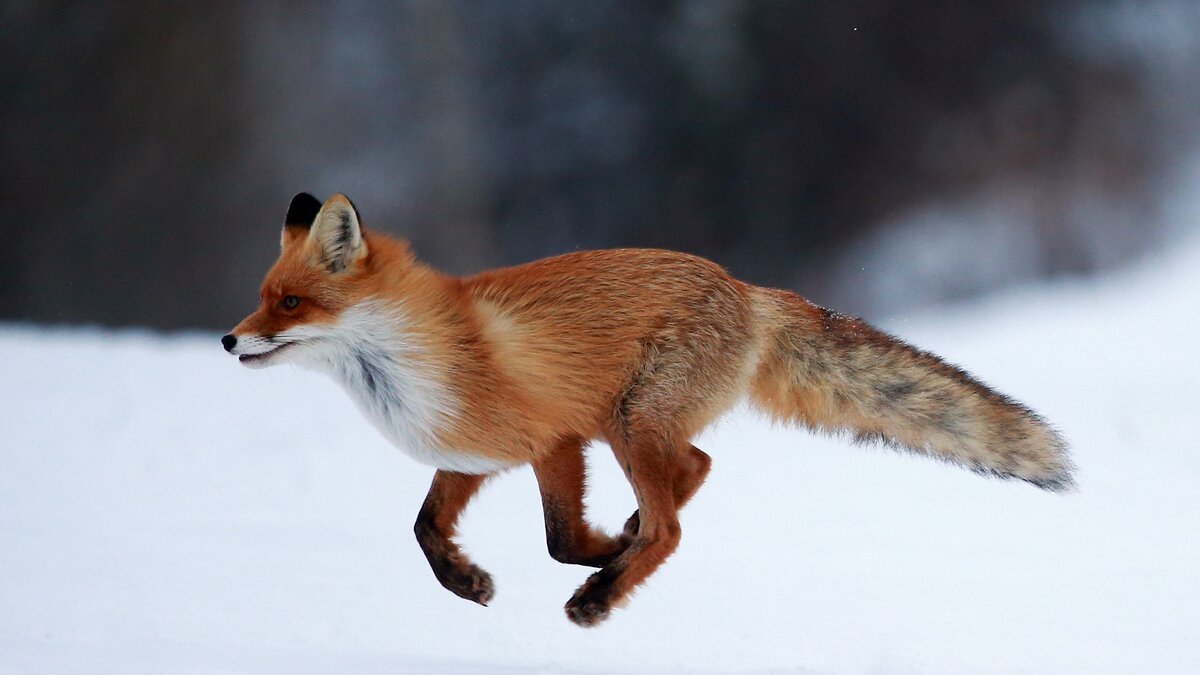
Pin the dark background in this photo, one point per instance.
(873, 155)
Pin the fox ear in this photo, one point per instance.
(300, 216)
(336, 235)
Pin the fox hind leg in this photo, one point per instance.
(448, 496)
(658, 534)
(560, 476)
(684, 381)
(689, 475)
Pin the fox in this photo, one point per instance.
(641, 349)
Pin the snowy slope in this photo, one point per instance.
(163, 509)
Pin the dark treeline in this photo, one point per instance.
(151, 148)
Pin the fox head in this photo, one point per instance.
(323, 269)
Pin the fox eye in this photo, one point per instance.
(290, 301)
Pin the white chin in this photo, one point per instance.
(262, 361)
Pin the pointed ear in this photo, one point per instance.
(300, 216)
(336, 235)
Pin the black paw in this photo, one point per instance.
(469, 582)
(591, 603)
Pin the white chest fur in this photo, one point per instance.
(396, 385)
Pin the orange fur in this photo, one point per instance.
(639, 348)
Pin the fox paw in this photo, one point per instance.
(470, 582)
(592, 603)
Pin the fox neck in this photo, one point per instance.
(391, 369)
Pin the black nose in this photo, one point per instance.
(228, 342)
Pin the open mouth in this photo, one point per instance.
(258, 358)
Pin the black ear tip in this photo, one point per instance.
(303, 210)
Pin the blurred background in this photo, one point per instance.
(874, 155)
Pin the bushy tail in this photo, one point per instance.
(835, 373)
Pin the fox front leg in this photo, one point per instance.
(447, 498)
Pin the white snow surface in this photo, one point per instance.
(165, 510)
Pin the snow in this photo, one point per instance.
(163, 509)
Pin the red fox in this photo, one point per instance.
(638, 348)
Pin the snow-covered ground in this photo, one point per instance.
(163, 509)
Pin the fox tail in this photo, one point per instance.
(838, 374)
